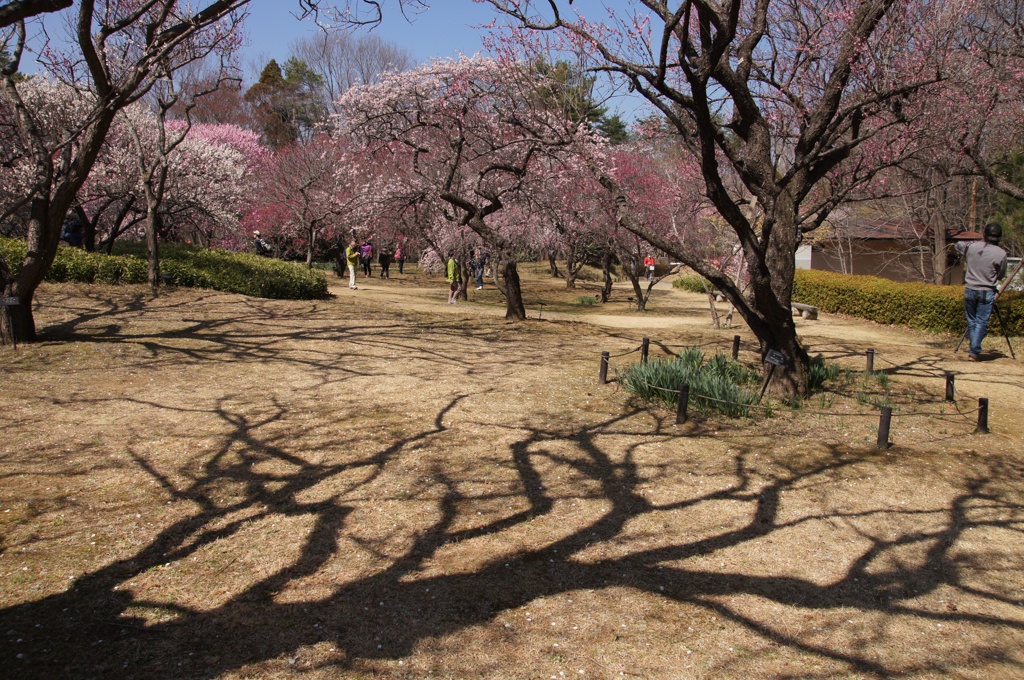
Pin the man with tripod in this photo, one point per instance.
(985, 266)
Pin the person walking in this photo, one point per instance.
(384, 260)
(478, 269)
(400, 258)
(985, 265)
(366, 257)
(352, 260)
(454, 278)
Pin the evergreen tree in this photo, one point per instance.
(285, 104)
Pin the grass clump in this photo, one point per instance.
(717, 383)
(821, 372)
(588, 301)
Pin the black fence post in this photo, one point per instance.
(645, 349)
(871, 361)
(682, 404)
(735, 347)
(883, 427)
(982, 416)
(950, 380)
(602, 376)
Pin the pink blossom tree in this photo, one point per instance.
(305, 190)
(117, 51)
(120, 49)
(463, 137)
(770, 97)
(209, 185)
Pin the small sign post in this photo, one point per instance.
(776, 359)
(6, 302)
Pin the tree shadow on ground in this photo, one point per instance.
(94, 629)
(388, 613)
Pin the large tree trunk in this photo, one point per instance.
(311, 246)
(505, 261)
(770, 314)
(46, 219)
(515, 310)
(771, 265)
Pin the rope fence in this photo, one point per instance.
(683, 394)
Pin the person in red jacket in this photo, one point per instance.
(649, 267)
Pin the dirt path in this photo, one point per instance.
(383, 485)
(679, 317)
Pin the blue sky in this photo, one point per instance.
(445, 30)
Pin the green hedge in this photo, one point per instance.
(918, 305)
(184, 266)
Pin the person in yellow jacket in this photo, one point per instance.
(352, 260)
(454, 277)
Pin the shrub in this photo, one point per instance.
(184, 266)
(691, 282)
(588, 301)
(719, 383)
(917, 305)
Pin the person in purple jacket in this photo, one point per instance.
(366, 258)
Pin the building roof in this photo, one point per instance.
(888, 229)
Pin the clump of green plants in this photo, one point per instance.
(588, 300)
(821, 372)
(691, 282)
(717, 383)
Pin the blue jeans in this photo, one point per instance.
(978, 306)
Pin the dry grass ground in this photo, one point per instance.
(381, 485)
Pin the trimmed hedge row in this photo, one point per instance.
(922, 306)
(188, 267)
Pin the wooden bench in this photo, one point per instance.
(805, 311)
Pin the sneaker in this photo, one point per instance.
(479, 287)
(973, 357)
